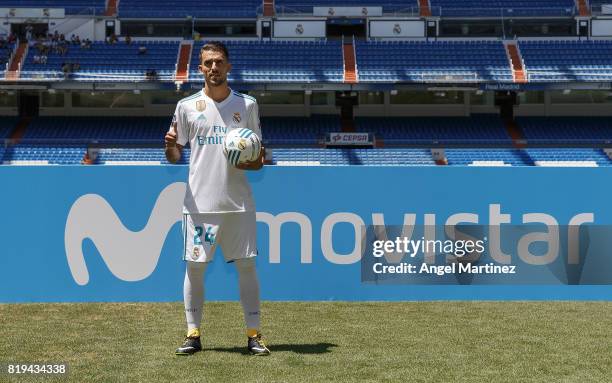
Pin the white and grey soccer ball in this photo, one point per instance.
(241, 145)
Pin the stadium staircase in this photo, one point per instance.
(111, 7)
(583, 8)
(424, 8)
(268, 8)
(350, 66)
(516, 62)
(515, 132)
(20, 129)
(184, 56)
(17, 61)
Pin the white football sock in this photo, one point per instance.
(249, 291)
(193, 293)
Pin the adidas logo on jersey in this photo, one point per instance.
(201, 117)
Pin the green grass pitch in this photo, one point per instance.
(318, 342)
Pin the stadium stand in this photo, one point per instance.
(279, 61)
(7, 124)
(569, 157)
(298, 130)
(344, 157)
(194, 8)
(488, 157)
(72, 7)
(5, 54)
(562, 60)
(418, 61)
(140, 156)
(101, 129)
(107, 62)
(506, 8)
(41, 154)
(569, 129)
(405, 130)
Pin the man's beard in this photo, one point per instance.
(217, 82)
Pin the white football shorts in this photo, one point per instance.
(234, 232)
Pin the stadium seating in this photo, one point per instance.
(7, 124)
(194, 8)
(569, 157)
(443, 61)
(72, 7)
(141, 156)
(344, 157)
(5, 55)
(279, 61)
(550, 61)
(101, 129)
(567, 129)
(528, 157)
(485, 129)
(506, 8)
(488, 157)
(107, 62)
(29, 154)
(298, 130)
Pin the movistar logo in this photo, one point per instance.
(130, 255)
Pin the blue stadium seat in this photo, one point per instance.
(506, 8)
(279, 61)
(107, 62)
(424, 61)
(195, 8)
(72, 7)
(570, 60)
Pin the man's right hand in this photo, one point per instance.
(171, 136)
(173, 150)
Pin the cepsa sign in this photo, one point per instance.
(349, 139)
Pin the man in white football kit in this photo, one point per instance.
(218, 208)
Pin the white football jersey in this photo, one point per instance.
(215, 186)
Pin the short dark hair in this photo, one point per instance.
(216, 46)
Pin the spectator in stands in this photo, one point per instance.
(12, 38)
(66, 69)
(29, 30)
(142, 50)
(86, 44)
(151, 75)
(112, 39)
(72, 39)
(77, 41)
(43, 59)
(56, 36)
(128, 40)
(62, 47)
(36, 59)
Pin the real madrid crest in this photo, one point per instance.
(237, 117)
(200, 105)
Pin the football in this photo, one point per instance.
(241, 145)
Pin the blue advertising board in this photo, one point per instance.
(112, 233)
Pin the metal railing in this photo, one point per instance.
(552, 143)
(54, 76)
